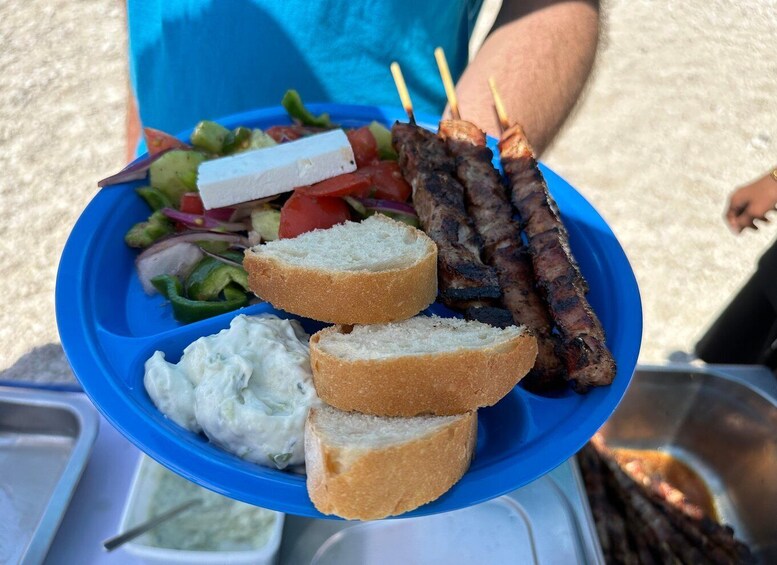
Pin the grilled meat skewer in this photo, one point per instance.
(589, 362)
(492, 215)
(610, 524)
(465, 281)
(696, 535)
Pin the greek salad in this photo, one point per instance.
(193, 255)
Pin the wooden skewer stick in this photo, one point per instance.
(404, 95)
(447, 81)
(501, 113)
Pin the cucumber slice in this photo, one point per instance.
(209, 136)
(175, 173)
(382, 136)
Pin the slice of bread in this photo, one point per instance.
(362, 467)
(424, 365)
(371, 272)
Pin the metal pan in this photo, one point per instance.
(45, 441)
(722, 424)
(546, 521)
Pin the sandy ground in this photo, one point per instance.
(681, 108)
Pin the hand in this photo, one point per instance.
(752, 202)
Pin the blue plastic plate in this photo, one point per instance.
(109, 327)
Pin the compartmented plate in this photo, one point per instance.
(109, 327)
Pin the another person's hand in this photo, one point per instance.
(752, 202)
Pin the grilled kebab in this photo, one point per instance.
(465, 281)
(492, 215)
(588, 361)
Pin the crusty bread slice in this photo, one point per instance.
(371, 272)
(362, 467)
(424, 365)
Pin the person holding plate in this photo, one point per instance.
(192, 59)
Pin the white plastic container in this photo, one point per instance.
(136, 510)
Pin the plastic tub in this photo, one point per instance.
(136, 510)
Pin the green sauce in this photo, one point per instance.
(218, 524)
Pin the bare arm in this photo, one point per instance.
(540, 53)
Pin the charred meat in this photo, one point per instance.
(464, 280)
(588, 361)
(656, 529)
(492, 215)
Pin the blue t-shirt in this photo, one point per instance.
(202, 59)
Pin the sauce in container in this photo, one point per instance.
(218, 524)
(649, 464)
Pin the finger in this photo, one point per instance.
(742, 222)
(741, 216)
(733, 211)
(738, 207)
(732, 221)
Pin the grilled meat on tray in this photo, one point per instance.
(636, 524)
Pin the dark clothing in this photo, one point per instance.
(746, 331)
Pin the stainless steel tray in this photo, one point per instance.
(722, 422)
(548, 521)
(45, 441)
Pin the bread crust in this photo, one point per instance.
(441, 383)
(382, 482)
(344, 297)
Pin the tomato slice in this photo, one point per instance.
(158, 141)
(365, 148)
(302, 213)
(282, 134)
(191, 203)
(387, 181)
(341, 185)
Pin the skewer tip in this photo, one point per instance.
(501, 113)
(404, 95)
(447, 81)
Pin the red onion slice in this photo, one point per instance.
(178, 259)
(134, 171)
(203, 222)
(223, 259)
(220, 214)
(192, 237)
(158, 143)
(388, 206)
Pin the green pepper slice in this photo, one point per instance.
(296, 109)
(155, 198)
(210, 276)
(187, 311)
(239, 139)
(145, 233)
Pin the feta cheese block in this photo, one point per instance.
(272, 170)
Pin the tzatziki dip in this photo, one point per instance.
(248, 388)
(217, 524)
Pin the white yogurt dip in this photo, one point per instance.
(248, 388)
